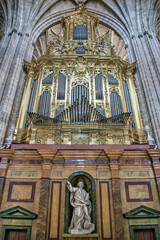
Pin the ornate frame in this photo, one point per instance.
(140, 213)
(17, 213)
(12, 184)
(133, 227)
(147, 183)
(5, 228)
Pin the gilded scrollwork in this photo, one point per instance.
(80, 67)
(46, 88)
(114, 89)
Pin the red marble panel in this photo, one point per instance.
(21, 192)
(138, 192)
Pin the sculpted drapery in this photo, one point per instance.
(81, 220)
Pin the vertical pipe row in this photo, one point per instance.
(32, 98)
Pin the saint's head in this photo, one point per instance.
(80, 185)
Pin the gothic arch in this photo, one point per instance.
(93, 198)
(52, 19)
(109, 18)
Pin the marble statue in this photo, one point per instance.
(81, 220)
(149, 137)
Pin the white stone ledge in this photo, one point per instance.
(94, 235)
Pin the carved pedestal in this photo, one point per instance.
(80, 236)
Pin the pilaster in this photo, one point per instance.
(117, 203)
(43, 202)
(155, 157)
(7, 60)
(147, 81)
(69, 71)
(15, 70)
(4, 156)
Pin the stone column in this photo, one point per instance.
(147, 80)
(8, 57)
(13, 79)
(135, 105)
(3, 45)
(3, 171)
(156, 168)
(19, 92)
(44, 202)
(117, 203)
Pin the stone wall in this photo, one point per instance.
(125, 179)
(137, 24)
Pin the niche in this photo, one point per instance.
(89, 186)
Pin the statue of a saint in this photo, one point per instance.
(81, 220)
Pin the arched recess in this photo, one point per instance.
(89, 185)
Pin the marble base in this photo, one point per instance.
(94, 235)
(74, 232)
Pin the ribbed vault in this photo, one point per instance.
(121, 16)
(34, 17)
(2, 21)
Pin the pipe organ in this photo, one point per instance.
(80, 92)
